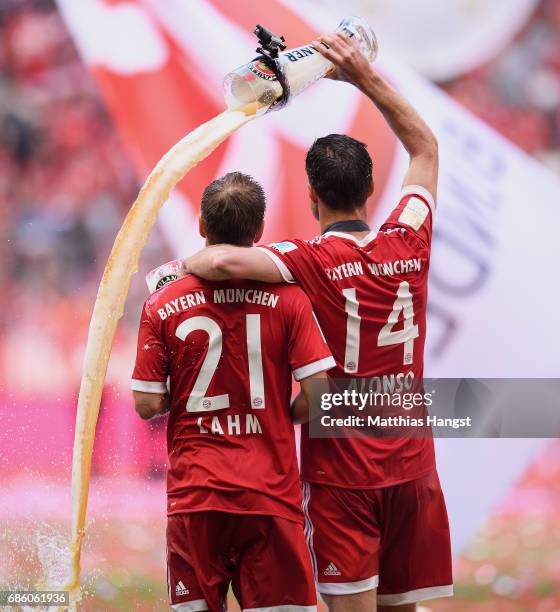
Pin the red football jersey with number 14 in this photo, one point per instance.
(229, 350)
(370, 298)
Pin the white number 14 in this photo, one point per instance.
(386, 337)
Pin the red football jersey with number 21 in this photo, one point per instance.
(370, 298)
(229, 350)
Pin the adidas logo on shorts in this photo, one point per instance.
(331, 570)
(181, 589)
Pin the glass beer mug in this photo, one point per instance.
(255, 87)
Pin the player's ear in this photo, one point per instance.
(313, 195)
(202, 228)
(259, 233)
(314, 200)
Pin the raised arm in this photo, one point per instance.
(415, 135)
(222, 262)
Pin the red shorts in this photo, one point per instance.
(395, 539)
(265, 558)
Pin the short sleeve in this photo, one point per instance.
(297, 262)
(151, 368)
(413, 213)
(308, 351)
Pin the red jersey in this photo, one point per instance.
(370, 298)
(229, 350)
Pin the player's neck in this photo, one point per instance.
(328, 217)
(210, 243)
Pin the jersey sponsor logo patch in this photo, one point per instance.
(331, 570)
(414, 213)
(283, 247)
(181, 589)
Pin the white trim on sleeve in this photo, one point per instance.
(348, 588)
(286, 608)
(312, 368)
(282, 267)
(148, 386)
(422, 192)
(196, 605)
(400, 599)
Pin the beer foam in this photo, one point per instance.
(112, 294)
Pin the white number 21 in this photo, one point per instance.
(198, 400)
(386, 337)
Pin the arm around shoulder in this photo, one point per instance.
(223, 262)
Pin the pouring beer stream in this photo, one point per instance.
(262, 85)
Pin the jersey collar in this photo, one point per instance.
(365, 240)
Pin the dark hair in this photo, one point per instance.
(232, 209)
(339, 169)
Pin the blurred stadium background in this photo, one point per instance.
(66, 182)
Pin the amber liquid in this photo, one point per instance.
(111, 298)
